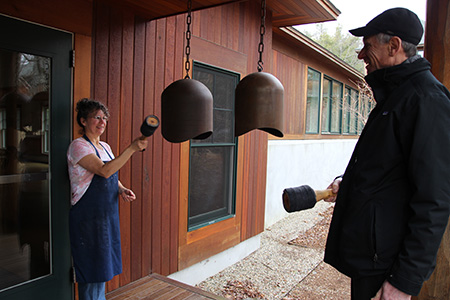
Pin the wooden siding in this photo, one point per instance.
(127, 62)
(73, 16)
(231, 44)
(293, 75)
(291, 61)
(133, 61)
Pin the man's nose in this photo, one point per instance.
(361, 54)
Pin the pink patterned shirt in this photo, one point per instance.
(80, 178)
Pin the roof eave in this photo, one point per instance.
(297, 35)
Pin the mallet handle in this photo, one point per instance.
(324, 194)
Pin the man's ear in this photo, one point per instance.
(395, 45)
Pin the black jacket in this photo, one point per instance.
(393, 203)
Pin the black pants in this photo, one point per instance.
(367, 287)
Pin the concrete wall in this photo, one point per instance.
(200, 271)
(293, 163)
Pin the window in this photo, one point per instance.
(213, 160)
(328, 108)
(313, 101)
(331, 106)
(350, 111)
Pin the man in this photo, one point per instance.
(393, 201)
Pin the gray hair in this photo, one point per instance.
(409, 48)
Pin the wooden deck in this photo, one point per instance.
(157, 286)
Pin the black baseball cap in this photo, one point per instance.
(398, 21)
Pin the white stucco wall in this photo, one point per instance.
(292, 163)
(214, 264)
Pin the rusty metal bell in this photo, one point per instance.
(259, 104)
(186, 111)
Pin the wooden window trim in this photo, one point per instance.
(202, 243)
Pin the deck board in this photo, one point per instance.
(159, 287)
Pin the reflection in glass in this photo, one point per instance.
(326, 105)
(212, 161)
(24, 181)
(214, 191)
(336, 104)
(312, 102)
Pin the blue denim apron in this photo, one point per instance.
(95, 230)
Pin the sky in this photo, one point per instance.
(357, 13)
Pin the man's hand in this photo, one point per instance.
(334, 186)
(389, 292)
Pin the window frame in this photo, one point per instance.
(352, 114)
(328, 118)
(230, 211)
(354, 117)
(319, 102)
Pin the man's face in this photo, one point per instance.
(375, 55)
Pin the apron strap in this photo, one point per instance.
(96, 150)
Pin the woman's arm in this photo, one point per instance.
(95, 165)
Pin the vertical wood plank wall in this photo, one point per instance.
(291, 60)
(237, 26)
(294, 81)
(132, 62)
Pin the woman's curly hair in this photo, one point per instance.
(86, 107)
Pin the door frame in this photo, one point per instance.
(57, 45)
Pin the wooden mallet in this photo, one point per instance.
(303, 197)
(149, 126)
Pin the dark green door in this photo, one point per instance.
(35, 131)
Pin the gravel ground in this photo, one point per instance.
(288, 265)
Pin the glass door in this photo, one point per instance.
(35, 119)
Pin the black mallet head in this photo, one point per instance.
(299, 198)
(303, 197)
(149, 126)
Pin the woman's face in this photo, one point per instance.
(95, 124)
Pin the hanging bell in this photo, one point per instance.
(186, 111)
(259, 104)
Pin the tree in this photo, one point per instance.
(344, 46)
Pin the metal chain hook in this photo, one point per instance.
(187, 63)
(262, 31)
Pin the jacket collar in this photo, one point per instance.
(384, 81)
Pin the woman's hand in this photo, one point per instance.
(139, 144)
(127, 194)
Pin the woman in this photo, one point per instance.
(94, 216)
